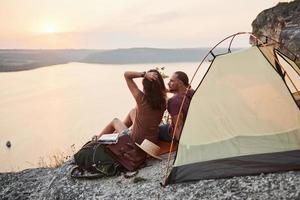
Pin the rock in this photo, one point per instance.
(281, 23)
(8, 144)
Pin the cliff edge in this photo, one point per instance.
(282, 23)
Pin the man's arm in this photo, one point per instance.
(179, 126)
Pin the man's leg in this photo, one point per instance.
(164, 133)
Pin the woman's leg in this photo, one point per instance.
(129, 120)
(115, 125)
(133, 115)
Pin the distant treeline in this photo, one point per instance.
(17, 60)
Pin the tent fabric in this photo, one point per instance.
(241, 109)
(268, 52)
(236, 166)
(292, 70)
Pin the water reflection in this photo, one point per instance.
(54, 110)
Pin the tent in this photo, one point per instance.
(243, 118)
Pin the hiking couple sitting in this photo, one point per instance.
(151, 103)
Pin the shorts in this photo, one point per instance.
(164, 134)
(126, 131)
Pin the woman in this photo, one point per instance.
(147, 115)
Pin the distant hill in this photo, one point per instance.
(17, 60)
(146, 55)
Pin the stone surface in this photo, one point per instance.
(47, 183)
(281, 23)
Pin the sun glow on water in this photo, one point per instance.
(50, 28)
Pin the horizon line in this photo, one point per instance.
(177, 48)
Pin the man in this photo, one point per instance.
(179, 86)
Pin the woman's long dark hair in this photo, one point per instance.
(155, 92)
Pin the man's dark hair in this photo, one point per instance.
(183, 77)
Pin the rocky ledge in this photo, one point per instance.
(49, 183)
(281, 23)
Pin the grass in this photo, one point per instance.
(57, 159)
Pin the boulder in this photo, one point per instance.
(282, 23)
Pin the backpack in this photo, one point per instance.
(94, 161)
(127, 153)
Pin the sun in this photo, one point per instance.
(50, 28)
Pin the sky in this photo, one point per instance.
(110, 24)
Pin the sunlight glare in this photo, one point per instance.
(50, 28)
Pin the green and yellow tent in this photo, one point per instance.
(243, 118)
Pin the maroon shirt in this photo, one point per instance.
(174, 105)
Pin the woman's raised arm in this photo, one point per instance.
(130, 75)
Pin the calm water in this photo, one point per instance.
(44, 112)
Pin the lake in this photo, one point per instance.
(54, 110)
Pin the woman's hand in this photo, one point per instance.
(151, 76)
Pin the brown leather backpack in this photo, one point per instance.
(130, 156)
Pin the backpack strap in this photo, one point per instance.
(78, 173)
(111, 171)
(108, 168)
